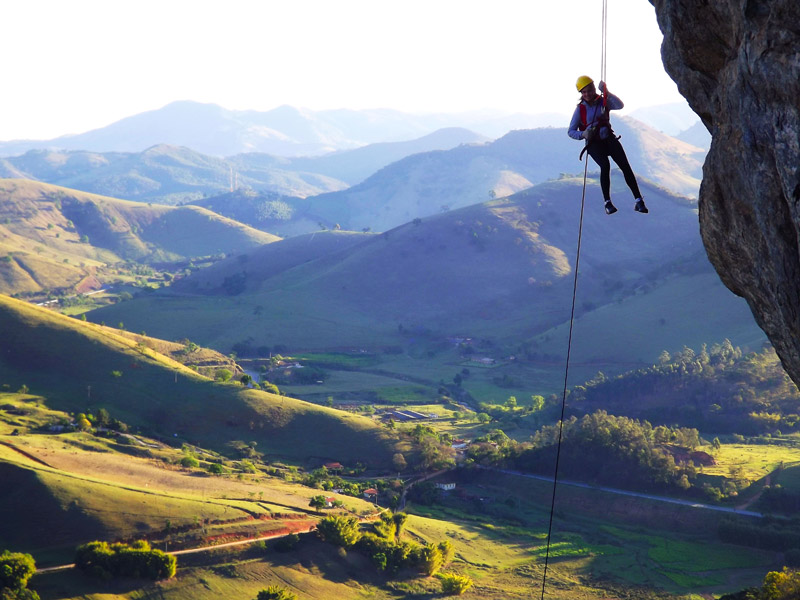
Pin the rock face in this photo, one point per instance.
(737, 62)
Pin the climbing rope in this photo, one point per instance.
(566, 378)
(572, 320)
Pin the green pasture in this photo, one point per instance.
(615, 541)
(755, 461)
(86, 367)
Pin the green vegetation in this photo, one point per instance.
(16, 569)
(718, 389)
(778, 585)
(103, 560)
(454, 585)
(159, 397)
(275, 592)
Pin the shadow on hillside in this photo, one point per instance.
(72, 584)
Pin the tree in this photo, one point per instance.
(431, 559)
(454, 585)
(448, 552)
(318, 502)
(15, 569)
(223, 375)
(781, 585)
(216, 469)
(275, 592)
(339, 530)
(537, 403)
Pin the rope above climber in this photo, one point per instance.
(590, 122)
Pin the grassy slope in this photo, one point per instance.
(41, 227)
(79, 366)
(499, 270)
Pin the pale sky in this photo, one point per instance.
(74, 65)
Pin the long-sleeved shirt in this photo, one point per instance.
(594, 113)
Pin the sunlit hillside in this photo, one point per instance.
(80, 366)
(55, 237)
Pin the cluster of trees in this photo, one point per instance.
(383, 545)
(778, 585)
(435, 449)
(717, 389)
(100, 559)
(16, 569)
(612, 450)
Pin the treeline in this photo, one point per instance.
(718, 389)
(768, 533)
(106, 561)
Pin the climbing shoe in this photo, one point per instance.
(611, 209)
(640, 207)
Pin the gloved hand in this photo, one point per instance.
(602, 86)
(589, 133)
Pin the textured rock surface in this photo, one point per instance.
(737, 62)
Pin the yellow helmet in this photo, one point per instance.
(583, 81)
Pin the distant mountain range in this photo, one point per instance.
(287, 131)
(378, 186)
(176, 175)
(428, 183)
(283, 131)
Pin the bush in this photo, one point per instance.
(275, 592)
(99, 559)
(340, 531)
(15, 570)
(189, 462)
(454, 585)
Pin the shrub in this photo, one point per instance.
(454, 585)
(340, 531)
(15, 569)
(189, 461)
(275, 592)
(99, 559)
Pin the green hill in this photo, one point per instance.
(55, 237)
(500, 272)
(81, 366)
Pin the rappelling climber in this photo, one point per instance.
(590, 122)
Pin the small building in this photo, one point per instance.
(334, 467)
(446, 487)
(370, 494)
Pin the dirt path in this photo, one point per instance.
(756, 498)
(304, 529)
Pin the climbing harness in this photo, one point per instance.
(572, 316)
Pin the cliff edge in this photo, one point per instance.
(737, 62)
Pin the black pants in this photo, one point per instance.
(600, 151)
